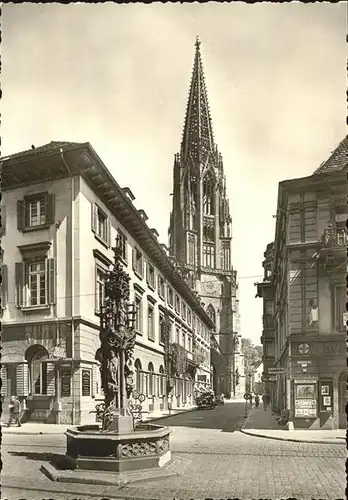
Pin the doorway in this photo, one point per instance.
(342, 400)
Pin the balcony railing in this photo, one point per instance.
(334, 237)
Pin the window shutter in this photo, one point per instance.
(19, 272)
(50, 209)
(108, 232)
(94, 215)
(4, 285)
(133, 259)
(20, 215)
(50, 281)
(3, 221)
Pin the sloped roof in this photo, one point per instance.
(46, 148)
(337, 161)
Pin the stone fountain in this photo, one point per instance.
(118, 445)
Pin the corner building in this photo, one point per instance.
(61, 213)
(200, 234)
(305, 295)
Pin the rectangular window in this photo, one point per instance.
(189, 347)
(37, 288)
(138, 264)
(184, 340)
(189, 316)
(177, 337)
(139, 314)
(208, 256)
(161, 329)
(177, 304)
(122, 241)
(100, 289)
(161, 287)
(339, 297)
(183, 310)
(150, 323)
(170, 297)
(101, 225)
(150, 275)
(35, 211)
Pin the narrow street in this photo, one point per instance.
(211, 459)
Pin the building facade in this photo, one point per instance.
(306, 293)
(62, 211)
(200, 233)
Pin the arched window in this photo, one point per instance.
(211, 313)
(37, 357)
(151, 391)
(208, 194)
(137, 366)
(162, 380)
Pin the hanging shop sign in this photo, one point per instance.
(274, 371)
(305, 399)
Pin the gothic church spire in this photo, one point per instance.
(197, 140)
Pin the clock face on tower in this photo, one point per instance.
(303, 349)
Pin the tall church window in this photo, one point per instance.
(226, 259)
(193, 200)
(208, 256)
(211, 313)
(191, 251)
(208, 195)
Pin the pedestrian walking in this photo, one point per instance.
(257, 400)
(15, 408)
(265, 400)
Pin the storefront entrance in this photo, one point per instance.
(342, 400)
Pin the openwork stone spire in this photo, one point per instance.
(197, 141)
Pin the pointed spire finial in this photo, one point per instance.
(198, 42)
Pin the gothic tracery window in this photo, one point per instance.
(208, 194)
(211, 313)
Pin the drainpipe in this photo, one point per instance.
(72, 248)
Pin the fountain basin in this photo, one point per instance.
(91, 448)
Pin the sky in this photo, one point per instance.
(118, 76)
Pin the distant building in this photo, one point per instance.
(62, 211)
(305, 297)
(200, 233)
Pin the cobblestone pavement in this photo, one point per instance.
(220, 463)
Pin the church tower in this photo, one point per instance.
(200, 231)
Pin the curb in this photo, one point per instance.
(50, 433)
(293, 440)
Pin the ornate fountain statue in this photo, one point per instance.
(119, 445)
(117, 337)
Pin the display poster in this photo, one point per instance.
(65, 381)
(86, 382)
(326, 396)
(305, 400)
